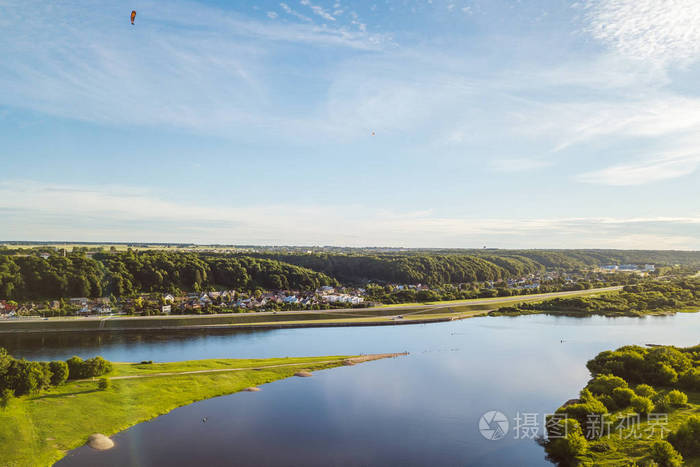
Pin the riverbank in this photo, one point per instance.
(38, 430)
(400, 314)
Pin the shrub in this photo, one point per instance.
(59, 372)
(584, 411)
(662, 403)
(663, 453)
(687, 438)
(642, 405)
(690, 380)
(645, 390)
(608, 402)
(75, 367)
(97, 366)
(677, 398)
(79, 368)
(605, 384)
(573, 444)
(623, 396)
(103, 384)
(6, 396)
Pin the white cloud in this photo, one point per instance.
(664, 167)
(661, 32)
(36, 211)
(294, 13)
(318, 10)
(272, 14)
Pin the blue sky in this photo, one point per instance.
(499, 123)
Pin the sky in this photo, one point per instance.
(443, 123)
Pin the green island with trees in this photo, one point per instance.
(49, 408)
(644, 298)
(641, 407)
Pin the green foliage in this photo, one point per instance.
(690, 379)
(677, 398)
(658, 366)
(59, 372)
(663, 453)
(605, 384)
(588, 408)
(645, 390)
(26, 377)
(565, 449)
(642, 405)
(104, 384)
(6, 396)
(686, 439)
(79, 368)
(622, 397)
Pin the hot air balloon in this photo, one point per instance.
(133, 16)
(372, 133)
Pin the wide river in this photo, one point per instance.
(422, 409)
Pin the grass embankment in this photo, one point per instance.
(38, 430)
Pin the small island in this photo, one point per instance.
(49, 408)
(642, 407)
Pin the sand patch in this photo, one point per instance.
(100, 442)
(252, 389)
(303, 374)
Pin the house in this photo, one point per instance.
(55, 304)
(45, 255)
(290, 299)
(78, 301)
(165, 309)
(168, 298)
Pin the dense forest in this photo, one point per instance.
(24, 275)
(31, 277)
(478, 265)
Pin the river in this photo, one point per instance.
(421, 409)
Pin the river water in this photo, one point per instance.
(421, 409)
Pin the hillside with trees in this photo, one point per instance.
(25, 275)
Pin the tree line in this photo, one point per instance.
(121, 274)
(19, 377)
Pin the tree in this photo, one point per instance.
(687, 438)
(59, 372)
(75, 367)
(663, 453)
(566, 448)
(677, 398)
(642, 405)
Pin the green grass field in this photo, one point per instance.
(38, 430)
